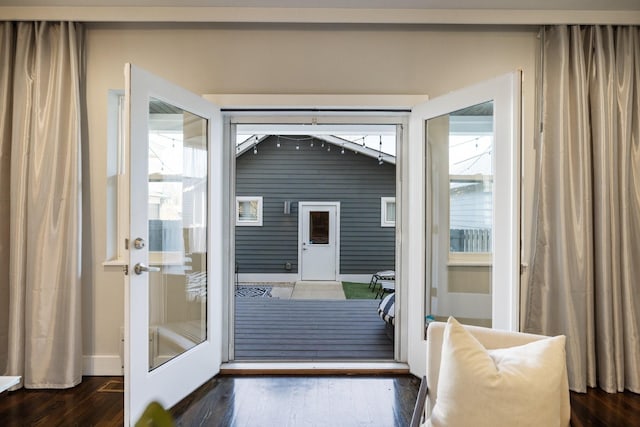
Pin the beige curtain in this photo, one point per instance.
(40, 223)
(585, 278)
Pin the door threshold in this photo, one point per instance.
(314, 368)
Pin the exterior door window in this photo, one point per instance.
(319, 228)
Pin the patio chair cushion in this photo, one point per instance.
(386, 309)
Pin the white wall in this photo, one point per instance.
(272, 58)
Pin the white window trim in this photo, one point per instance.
(254, 223)
(384, 201)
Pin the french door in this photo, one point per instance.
(464, 210)
(173, 315)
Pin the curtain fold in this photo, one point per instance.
(41, 228)
(585, 279)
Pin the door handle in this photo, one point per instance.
(139, 268)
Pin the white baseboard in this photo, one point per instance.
(293, 277)
(357, 278)
(102, 365)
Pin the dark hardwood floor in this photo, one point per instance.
(267, 401)
(599, 408)
(97, 401)
(301, 401)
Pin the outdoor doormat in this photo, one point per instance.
(253, 291)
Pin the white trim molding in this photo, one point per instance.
(102, 365)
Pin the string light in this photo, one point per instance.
(278, 142)
(342, 151)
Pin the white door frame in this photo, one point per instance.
(175, 379)
(310, 110)
(336, 230)
(505, 92)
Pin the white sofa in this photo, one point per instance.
(490, 339)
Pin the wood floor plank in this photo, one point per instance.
(277, 400)
(83, 405)
(300, 401)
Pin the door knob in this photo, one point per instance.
(139, 268)
(138, 243)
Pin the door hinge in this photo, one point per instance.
(126, 243)
(125, 268)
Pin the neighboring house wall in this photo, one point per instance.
(310, 173)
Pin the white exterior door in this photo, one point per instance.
(319, 241)
(462, 238)
(173, 320)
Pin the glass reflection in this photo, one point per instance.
(460, 202)
(177, 212)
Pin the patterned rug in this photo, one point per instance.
(244, 291)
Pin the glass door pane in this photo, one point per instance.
(460, 160)
(177, 212)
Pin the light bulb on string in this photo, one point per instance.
(311, 143)
(255, 149)
(278, 142)
(342, 151)
(328, 148)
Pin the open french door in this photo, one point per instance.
(173, 315)
(464, 210)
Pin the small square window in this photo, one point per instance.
(387, 211)
(249, 211)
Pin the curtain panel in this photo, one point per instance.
(40, 203)
(585, 276)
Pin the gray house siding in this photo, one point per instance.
(313, 173)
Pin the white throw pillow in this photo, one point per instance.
(516, 386)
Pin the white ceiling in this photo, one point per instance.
(350, 4)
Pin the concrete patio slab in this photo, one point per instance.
(318, 290)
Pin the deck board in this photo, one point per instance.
(275, 329)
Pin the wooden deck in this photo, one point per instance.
(275, 329)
